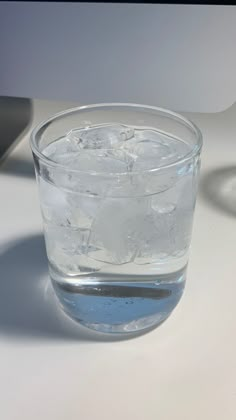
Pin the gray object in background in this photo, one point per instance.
(176, 56)
(15, 117)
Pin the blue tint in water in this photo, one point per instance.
(121, 306)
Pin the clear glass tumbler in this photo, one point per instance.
(117, 185)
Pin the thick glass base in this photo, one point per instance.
(120, 305)
(135, 326)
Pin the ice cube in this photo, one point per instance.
(67, 249)
(175, 219)
(55, 208)
(151, 155)
(68, 239)
(61, 150)
(84, 208)
(100, 161)
(96, 172)
(106, 136)
(84, 167)
(149, 135)
(162, 207)
(63, 208)
(182, 229)
(155, 244)
(116, 228)
(152, 149)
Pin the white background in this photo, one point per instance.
(183, 370)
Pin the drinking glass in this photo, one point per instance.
(117, 185)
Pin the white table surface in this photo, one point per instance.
(186, 369)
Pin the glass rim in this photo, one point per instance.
(168, 113)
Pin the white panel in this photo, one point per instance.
(176, 56)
